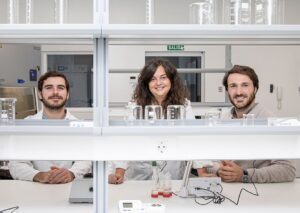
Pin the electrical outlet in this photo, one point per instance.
(161, 147)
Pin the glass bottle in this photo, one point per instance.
(268, 12)
(167, 186)
(237, 11)
(155, 181)
(203, 12)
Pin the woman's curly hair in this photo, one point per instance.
(178, 93)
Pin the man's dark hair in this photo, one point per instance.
(51, 74)
(244, 70)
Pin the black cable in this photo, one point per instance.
(243, 189)
(218, 198)
(12, 208)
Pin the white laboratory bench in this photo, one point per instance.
(35, 197)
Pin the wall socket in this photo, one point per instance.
(161, 147)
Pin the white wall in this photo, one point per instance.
(16, 60)
(278, 65)
(291, 14)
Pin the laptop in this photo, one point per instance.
(81, 191)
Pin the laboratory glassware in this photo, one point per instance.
(7, 108)
(153, 112)
(176, 112)
(133, 113)
(202, 12)
(212, 117)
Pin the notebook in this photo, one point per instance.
(81, 191)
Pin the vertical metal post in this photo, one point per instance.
(100, 69)
(228, 63)
(100, 187)
(100, 105)
(100, 119)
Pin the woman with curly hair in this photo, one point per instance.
(158, 84)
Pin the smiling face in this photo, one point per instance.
(241, 91)
(160, 85)
(54, 93)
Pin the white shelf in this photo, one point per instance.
(114, 142)
(149, 143)
(233, 33)
(207, 32)
(49, 31)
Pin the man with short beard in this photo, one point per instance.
(241, 84)
(53, 92)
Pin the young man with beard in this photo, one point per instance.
(53, 92)
(241, 84)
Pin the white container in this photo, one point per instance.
(203, 12)
(7, 108)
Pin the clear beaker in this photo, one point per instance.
(203, 12)
(175, 112)
(167, 185)
(268, 12)
(46, 11)
(212, 117)
(133, 113)
(237, 11)
(153, 112)
(9, 11)
(248, 119)
(7, 108)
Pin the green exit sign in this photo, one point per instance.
(175, 47)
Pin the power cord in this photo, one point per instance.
(243, 189)
(12, 209)
(218, 198)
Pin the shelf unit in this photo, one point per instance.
(164, 142)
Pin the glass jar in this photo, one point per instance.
(268, 12)
(237, 11)
(7, 108)
(203, 12)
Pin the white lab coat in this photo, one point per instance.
(142, 170)
(26, 170)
